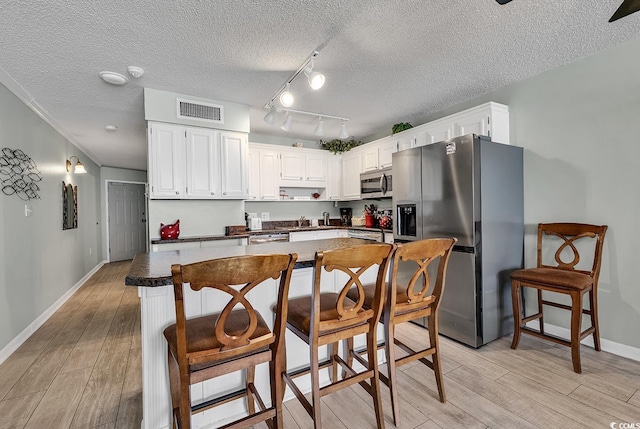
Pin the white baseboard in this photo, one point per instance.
(29, 330)
(606, 345)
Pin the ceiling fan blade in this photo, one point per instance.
(626, 8)
(503, 1)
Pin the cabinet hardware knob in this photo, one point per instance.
(224, 193)
(213, 193)
(177, 192)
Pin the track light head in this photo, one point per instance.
(316, 79)
(319, 131)
(286, 98)
(343, 131)
(270, 117)
(286, 125)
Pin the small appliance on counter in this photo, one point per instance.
(345, 216)
(255, 224)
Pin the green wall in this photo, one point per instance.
(39, 262)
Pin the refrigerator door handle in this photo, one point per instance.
(383, 183)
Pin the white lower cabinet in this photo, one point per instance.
(317, 235)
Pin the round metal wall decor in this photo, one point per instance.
(19, 174)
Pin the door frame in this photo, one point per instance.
(106, 205)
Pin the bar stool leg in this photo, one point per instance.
(372, 359)
(251, 375)
(390, 352)
(435, 357)
(576, 322)
(333, 349)
(315, 386)
(593, 304)
(516, 301)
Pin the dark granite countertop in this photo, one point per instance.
(263, 231)
(154, 269)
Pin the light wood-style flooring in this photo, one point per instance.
(82, 369)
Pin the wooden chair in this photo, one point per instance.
(231, 340)
(327, 318)
(407, 302)
(562, 278)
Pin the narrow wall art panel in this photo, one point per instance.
(69, 206)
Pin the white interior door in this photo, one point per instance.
(127, 220)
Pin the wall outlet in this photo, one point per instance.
(90, 250)
(27, 210)
(252, 215)
(265, 215)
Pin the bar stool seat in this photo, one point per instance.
(300, 317)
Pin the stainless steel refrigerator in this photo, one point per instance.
(469, 188)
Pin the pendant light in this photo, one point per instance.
(319, 131)
(286, 125)
(343, 131)
(286, 98)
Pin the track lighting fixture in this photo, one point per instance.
(286, 125)
(343, 131)
(316, 80)
(319, 131)
(270, 117)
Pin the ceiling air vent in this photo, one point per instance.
(200, 111)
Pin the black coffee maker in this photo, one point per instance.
(345, 216)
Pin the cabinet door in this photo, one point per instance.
(476, 124)
(439, 131)
(292, 166)
(334, 177)
(254, 173)
(316, 168)
(406, 142)
(351, 165)
(385, 152)
(370, 159)
(203, 160)
(166, 160)
(269, 184)
(303, 236)
(234, 165)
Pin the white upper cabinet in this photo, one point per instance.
(377, 155)
(264, 173)
(303, 168)
(489, 119)
(351, 169)
(437, 131)
(370, 157)
(386, 148)
(197, 163)
(334, 177)
(203, 161)
(292, 166)
(316, 167)
(233, 165)
(166, 161)
(254, 172)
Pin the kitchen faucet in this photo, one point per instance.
(301, 220)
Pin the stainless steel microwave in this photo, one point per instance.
(376, 184)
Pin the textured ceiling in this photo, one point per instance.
(385, 61)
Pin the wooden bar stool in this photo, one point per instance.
(234, 339)
(327, 318)
(564, 278)
(407, 302)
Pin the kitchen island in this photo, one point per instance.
(151, 273)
